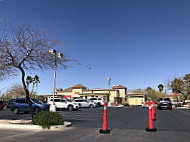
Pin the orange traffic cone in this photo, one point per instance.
(104, 129)
(150, 128)
(153, 111)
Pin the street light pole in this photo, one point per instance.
(57, 55)
(54, 82)
(109, 82)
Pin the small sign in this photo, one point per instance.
(176, 94)
(77, 92)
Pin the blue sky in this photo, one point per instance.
(138, 43)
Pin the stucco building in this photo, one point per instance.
(136, 98)
(117, 93)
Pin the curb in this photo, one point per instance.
(182, 107)
(33, 127)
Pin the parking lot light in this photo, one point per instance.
(56, 55)
(108, 98)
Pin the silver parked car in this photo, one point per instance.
(85, 103)
(63, 104)
(99, 101)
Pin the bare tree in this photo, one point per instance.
(15, 91)
(25, 48)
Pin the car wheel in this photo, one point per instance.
(16, 110)
(91, 106)
(36, 110)
(98, 104)
(70, 108)
(79, 105)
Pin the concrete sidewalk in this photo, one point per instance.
(26, 124)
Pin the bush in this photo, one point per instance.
(125, 104)
(46, 119)
(178, 105)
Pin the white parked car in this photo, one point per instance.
(174, 102)
(61, 103)
(85, 103)
(99, 101)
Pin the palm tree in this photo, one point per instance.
(160, 87)
(29, 80)
(34, 82)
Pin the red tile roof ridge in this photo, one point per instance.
(118, 87)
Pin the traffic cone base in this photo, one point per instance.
(151, 130)
(107, 131)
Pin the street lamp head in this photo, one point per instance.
(52, 51)
(60, 55)
(109, 78)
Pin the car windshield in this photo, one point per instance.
(69, 100)
(93, 99)
(166, 99)
(37, 101)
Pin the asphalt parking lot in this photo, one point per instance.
(126, 124)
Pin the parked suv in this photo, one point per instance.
(164, 103)
(21, 104)
(63, 103)
(99, 101)
(85, 103)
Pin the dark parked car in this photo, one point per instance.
(2, 105)
(21, 104)
(164, 103)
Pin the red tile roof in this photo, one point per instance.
(118, 87)
(68, 89)
(78, 86)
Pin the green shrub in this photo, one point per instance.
(46, 119)
(178, 105)
(125, 104)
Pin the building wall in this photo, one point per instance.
(100, 93)
(136, 99)
(122, 92)
(96, 93)
(64, 93)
